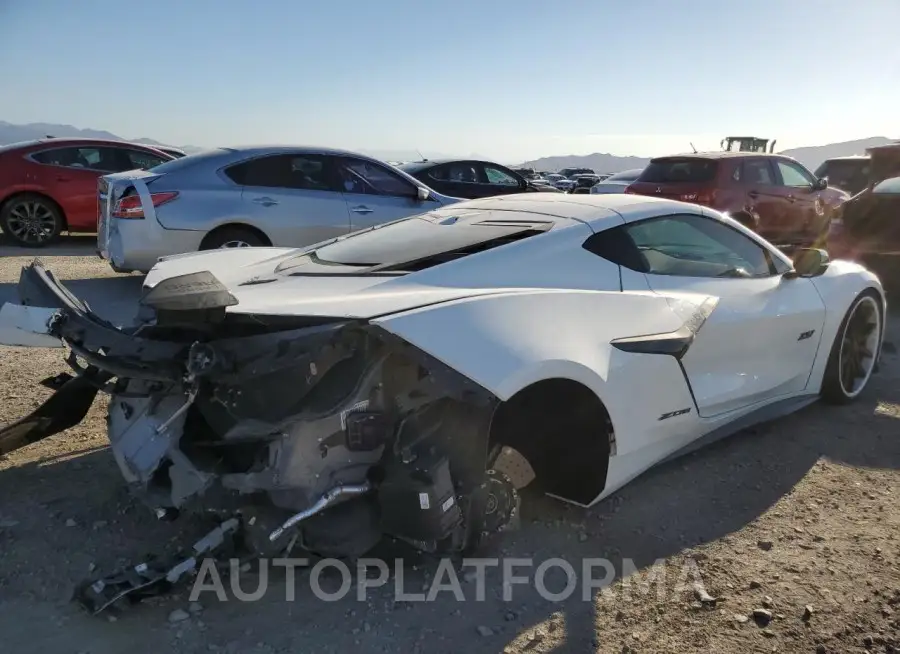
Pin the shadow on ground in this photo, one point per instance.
(702, 497)
(72, 245)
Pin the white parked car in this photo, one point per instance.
(616, 183)
(412, 377)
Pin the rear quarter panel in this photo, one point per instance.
(508, 342)
(206, 199)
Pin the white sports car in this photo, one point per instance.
(406, 380)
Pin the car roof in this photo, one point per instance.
(600, 211)
(724, 154)
(851, 157)
(76, 140)
(53, 142)
(428, 163)
(273, 148)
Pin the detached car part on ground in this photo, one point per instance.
(409, 380)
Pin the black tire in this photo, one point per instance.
(226, 236)
(31, 220)
(834, 384)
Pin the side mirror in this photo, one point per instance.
(821, 184)
(422, 194)
(809, 262)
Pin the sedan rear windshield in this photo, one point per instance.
(175, 165)
(423, 241)
(685, 170)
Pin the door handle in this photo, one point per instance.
(361, 209)
(753, 194)
(265, 201)
(63, 178)
(791, 198)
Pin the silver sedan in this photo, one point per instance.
(250, 196)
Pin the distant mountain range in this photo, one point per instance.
(600, 162)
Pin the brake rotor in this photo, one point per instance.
(514, 466)
(498, 502)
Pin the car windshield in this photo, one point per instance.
(673, 171)
(441, 232)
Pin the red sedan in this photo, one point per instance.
(49, 186)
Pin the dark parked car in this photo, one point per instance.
(571, 172)
(774, 195)
(849, 174)
(869, 225)
(868, 229)
(584, 182)
(471, 179)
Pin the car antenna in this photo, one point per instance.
(693, 148)
(421, 155)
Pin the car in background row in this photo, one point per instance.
(571, 172)
(564, 184)
(869, 229)
(471, 178)
(49, 186)
(250, 196)
(618, 182)
(849, 174)
(772, 194)
(584, 182)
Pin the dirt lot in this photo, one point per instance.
(800, 513)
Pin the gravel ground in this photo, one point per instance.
(790, 528)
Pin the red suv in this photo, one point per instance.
(49, 186)
(774, 195)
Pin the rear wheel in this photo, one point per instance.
(233, 237)
(854, 353)
(31, 220)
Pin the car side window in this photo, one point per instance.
(289, 171)
(100, 159)
(498, 177)
(361, 176)
(134, 159)
(695, 246)
(794, 176)
(757, 172)
(440, 173)
(455, 172)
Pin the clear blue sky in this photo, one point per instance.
(508, 79)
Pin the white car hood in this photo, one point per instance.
(318, 291)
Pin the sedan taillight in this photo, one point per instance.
(130, 207)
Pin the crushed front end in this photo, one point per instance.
(327, 434)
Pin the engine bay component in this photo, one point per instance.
(343, 432)
(147, 579)
(320, 505)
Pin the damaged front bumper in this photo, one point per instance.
(345, 432)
